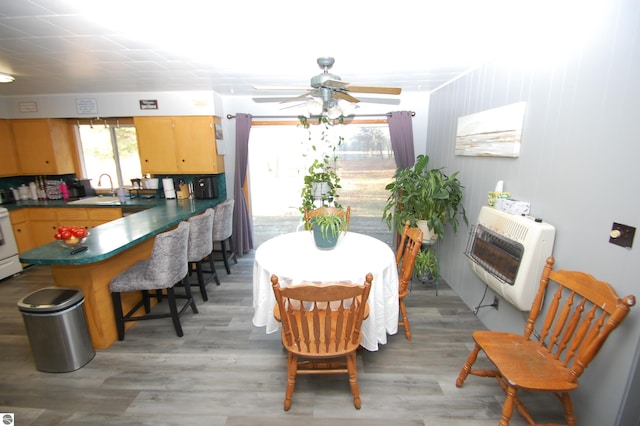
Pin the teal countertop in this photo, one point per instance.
(111, 238)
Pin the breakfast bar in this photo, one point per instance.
(111, 248)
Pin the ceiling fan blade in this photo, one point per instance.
(298, 98)
(281, 88)
(346, 97)
(379, 90)
(335, 84)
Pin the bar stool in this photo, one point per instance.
(166, 267)
(222, 230)
(200, 248)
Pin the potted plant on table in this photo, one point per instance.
(424, 196)
(327, 225)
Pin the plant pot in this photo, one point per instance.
(318, 189)
(428, 233)
(324, 243)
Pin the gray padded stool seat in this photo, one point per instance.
(166, 267)
(200, 248)
(222, 229)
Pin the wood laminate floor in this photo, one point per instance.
(225, 371)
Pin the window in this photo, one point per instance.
(277, 166)
(110, 148)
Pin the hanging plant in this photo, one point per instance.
(322, 171)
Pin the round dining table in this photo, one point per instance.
(294, 258)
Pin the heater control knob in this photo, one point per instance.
(615, 233)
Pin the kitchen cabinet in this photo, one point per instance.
(43, 224)
(9, 158)
(43, 146)
(36, 226)
(73, 217)
(183, 145)
(98, 216)
(21, 230)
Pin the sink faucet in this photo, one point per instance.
(110, 182)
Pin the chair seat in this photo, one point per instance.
(521, 364)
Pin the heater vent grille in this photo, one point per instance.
(498, 255)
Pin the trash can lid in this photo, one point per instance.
(50, 299)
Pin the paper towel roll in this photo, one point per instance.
(169, 189)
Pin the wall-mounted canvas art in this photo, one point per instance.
(495, 132)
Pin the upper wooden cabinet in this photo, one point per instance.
(44, 146)
(9, 158)
(185, 145)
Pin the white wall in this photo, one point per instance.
(579, 151)
(111, 104)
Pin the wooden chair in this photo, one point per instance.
(581, 313)
(410, 244)
(321, 211)
(321, 325)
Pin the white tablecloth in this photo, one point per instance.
(294, 258)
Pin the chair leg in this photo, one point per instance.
(173, 307)
(117, 309)
(567, 404)
(146, 302)
(507, 408)
(213, 269)
(353, 379)
(225, 259)
(466, 368)
(189, 296)
(201, 283)
(292, 371)
(405, 319)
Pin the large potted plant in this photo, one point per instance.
(420, 194)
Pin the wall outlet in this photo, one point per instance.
(496, 302)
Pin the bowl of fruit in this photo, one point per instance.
(71, 236)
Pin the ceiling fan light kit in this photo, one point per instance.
(6, 78)
(329, 95)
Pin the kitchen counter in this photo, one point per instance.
(119, 235)
(112, 248)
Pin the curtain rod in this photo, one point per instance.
(230, 116)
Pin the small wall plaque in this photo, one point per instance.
(28, 106)
(86, 106)
(148, 104)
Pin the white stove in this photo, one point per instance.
(9, 261)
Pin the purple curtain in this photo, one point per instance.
(401, 133)
(242, 226)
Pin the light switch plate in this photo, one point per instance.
(625, 236)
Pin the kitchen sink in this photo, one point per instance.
(99, 201)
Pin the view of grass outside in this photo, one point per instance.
(280, 155)
(97, 146)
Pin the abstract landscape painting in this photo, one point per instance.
(492, 133)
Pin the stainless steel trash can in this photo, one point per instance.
(57, 329)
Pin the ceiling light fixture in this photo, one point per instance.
(331, 108)
(6, 78)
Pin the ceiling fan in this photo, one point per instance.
(329, 95)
